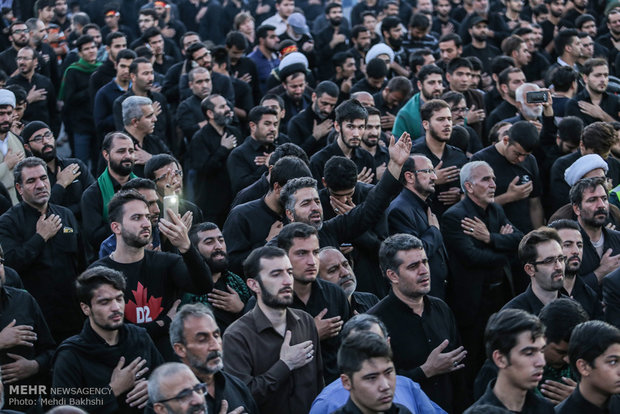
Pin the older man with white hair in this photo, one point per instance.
(529, 111)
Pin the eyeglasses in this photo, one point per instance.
(425, 171)
(186, 394)
(550, 261)
(460, 110)
(39, 138)
(21, 31)
(178, 173)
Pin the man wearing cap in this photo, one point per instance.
(479, 45)
(297, 30)
(11, 148)
(296, 96)
(68, 177)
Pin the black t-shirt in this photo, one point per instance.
(517, 211)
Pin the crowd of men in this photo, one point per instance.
(280, 206)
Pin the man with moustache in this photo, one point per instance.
(574, 286)
(11, 147)
(189, 115)
(446, 159)
(42, 242)
(370, 141)
(410, 213)
(350, 124)
(230, 294)
(197, 341)
(68, 177)
(109, 357)
(335, 268)
(274, 349)
(118, 152)
(544, 261)
(430, 84)
(601, 246)
(309, 128)
(42, 105)
(154, 278)
(481, 242)
(248, 162)
(19, 35)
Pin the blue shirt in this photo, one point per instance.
(407, 393)
(109, 244)
(264, 66)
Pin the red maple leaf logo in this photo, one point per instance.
(144, 309)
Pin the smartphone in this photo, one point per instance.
(171, 202)
(536, 97)
(524, 179)
(345, 244)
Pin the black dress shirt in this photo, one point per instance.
(242, 169)
(533, 404)
(71, 195)
(413, 337)
(587, 297)
(300, 128)
(189, 114)
(326, 295)
(252, 192)
(361, 302)
(45, 110)
(527, 301)
(577, 404)
(609, 103)
(234, 391)
(359, 156)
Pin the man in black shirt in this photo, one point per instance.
(331, 40)
(335, 268)
(594, 347)
(515, 342)
(19, 35)
(190, 117)
(428, 350)
(197, 341)
(114, 43)
(309, 128)
(391, 99)
(154, 278)
(249, 161)
(139, 120)
(516, 48)
(543, 259)
(324, 301)
(509, 81)
(594, 103)
(370, 141)
(42, 241)
(108, 356)
(207, 154)
(518, 181)
(230, 293)
(410, 213)
(479, 46)
(68, 177)
(350, 124)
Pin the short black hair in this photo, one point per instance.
(340, 173)
(355, 349)
(427, 70)
(458, 42)
(456, 63)
(287, 168)
(156, 162)
(389, 23)
(350, 110)
(273, 97)
(563, 39)
(236, 39)
(220, 56)
(560, 317)
(116, 206)
(376, 69)
(296, 230)
(83, 40)
(419, 21)
(252, 266)
(327, 87)
(29, 162)
(200, 227)
(108, 140)
(91, 279)
(139, 183)
(126, 54)
(288, 148)
(499, 63)
(194, 47)
(257, 113)
(432, 106)
(590, 340)
(570, 129)
(505, 326)
(133, 68)
(599, 137)
(20, 93)
(528, 246)
(525, 134)
(111, 36)
(583, 19)
(563, 78)
(263, 30)
(390, 248)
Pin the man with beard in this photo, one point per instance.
(391, 99)
(42, 242)
(139, 119)
(265, 56)
(574, 286)
(68, 177)
(593, 103)
(350, 124)
(531, 112)
(335, 268)
(114, 43)
(309, 128)
(370, 141)
(274, 349)
(410, 213)
(14, 151)
(430, 84)
(446, 159)
(19, 35)
(108, 356)
(230, 293)
(481, 243)
(508, 81)
(601, 246)
(544, 261)
(197, 341)
(518, 180)
(190, 117)
(498, 29)
(42, 105)
(392, 32)
(346, 69)
(458, 108)
(324, 301)
(207, 154)
(609, 40)
(479, 45)
(331, 40)
(360, 40)
(103, 104)
(48, 62)
(248, 162)
(142, 77)
(118, 152)
(154, 278)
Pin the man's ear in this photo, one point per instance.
(289, 215)
(583, 367)
(391, 275)
(499, 359)
(85, 308)
(115, 227)
(253, 285)
(180, 350)
(346, 382)
(425, 125)
(19, 189)
(529, 269)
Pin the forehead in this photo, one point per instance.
(373, 119)
(411, 255)
(442, 113)
(36, 171)
(268, 118)
(435, 77)
(208, 234)
(447, 45)
(599, 69)
(481, 171)
(144, 66)
(198, 324)
(311, 242)
(19, 27)
(40, 132)
(267, 265)
(271, 102)
(171, 385)
(306, 193)
(201, 76)
(121, 142)
(106, 290)
(374, 365)
(150, 195)
(331, 256)
(597, 191)
(524, 339)
(135, 207)
(422, 162)
(25, 51)
(570, 235)
(172, 165)
(548, 248)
